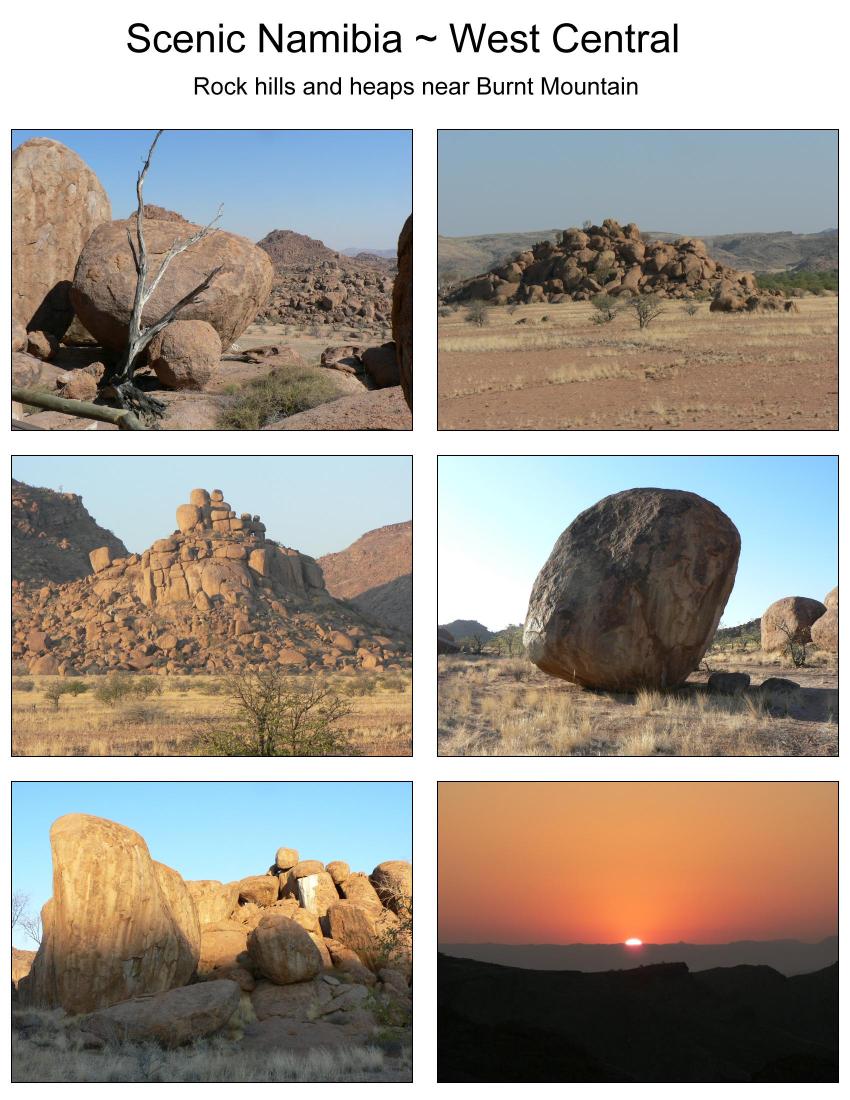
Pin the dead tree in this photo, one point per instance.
(118, 387)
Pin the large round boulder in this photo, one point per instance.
(114, 932)
(184, 355)
(830, 600)
(788, 621)
(282, 951)
(57, 202)
(105, 280)
(633, 590)
(402, 312)
(825, 631)
(393, 881)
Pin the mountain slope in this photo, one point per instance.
(375, 574)
(466, 628)
(52, 534)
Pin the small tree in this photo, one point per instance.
(274, 716)
(117, 385)
(795, 650)
(606, 308)
(20, 902)
(54, 692)
(647, 308)
(478, 314)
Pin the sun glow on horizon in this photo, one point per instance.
(633, 941)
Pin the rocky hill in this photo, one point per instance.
(375, 574)
(52, 536)
(303, 954)
(462, 257)
(466, 628)
(216, 595)
(315, 286)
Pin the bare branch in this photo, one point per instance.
(166, 319)
(180, 246)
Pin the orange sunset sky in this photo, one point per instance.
(600, 862)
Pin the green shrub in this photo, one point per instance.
(279, 394)
(816, 282)
(54, 692)
(478, 314)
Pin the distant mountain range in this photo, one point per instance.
(462, 257)
(787, 956)
(654, 1024)
(466, 628)
(384, 253)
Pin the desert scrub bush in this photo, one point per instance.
(279, 394)
(478, 314)
(54, 692)
(272, 715)
(22, 685)
(118, 687)
(647, 307)
(444, 311)
(606, 308)
(691, 308)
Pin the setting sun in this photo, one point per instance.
(634, 942)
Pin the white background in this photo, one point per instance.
(739, 65)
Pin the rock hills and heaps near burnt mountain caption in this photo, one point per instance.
(303, 954)
(632, 594)
(215, 595)
(74, 280)
(462, 258)
(617, 261)
(655, 1023)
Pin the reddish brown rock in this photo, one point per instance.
(633, 590)
(403, 310)
(789, 620)
(184, 355)
(373, 410)
(393, 882)
(282, 951)
(57, 202)
(825, 631)
(42, 345)
(381, 364)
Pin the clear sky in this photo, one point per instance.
(676, 181)
(348, 188)
(313, 504)
(667, 862)
(500, 517)
(222, 831)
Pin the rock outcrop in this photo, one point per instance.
(610, 259)
(375, 574)
(403, 310)
(373, 410)
(789, 621)
(118, 927)
(633, 591)
(57, 203)
(52, 536)
(105, 279)
(214, 596)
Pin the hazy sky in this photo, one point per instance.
(500, 517)
(316, 505)
(677, 181)
(348, 188)
(222, 831)
(601, 862)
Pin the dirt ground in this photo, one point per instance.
(505, 706)
(704, 371)
(166, 724)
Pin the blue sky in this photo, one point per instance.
(316, 505)
(500, 517)
(348, 188)
(677, 181)
(222, 831)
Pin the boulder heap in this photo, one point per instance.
(610, 259)
(149, 956)
(633, 590)
(215, 596)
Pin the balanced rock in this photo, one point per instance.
(105, 280)
(57, 202)
(184, 355)
(113, 933)
(633, 590)
(168, 1019)
(282, 951)
(285, 858)
(338, 870)
(402, 317)
(789, 621)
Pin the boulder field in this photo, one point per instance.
(618, 261)
(214, 596)
(137, 953)
(632, 593)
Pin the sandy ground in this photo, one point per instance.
(704, 371)
(500, 706)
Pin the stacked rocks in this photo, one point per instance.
(610, 259)
(216, 595)
(147, 955)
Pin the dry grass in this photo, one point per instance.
(380, 723)
(493, 706)
(208, 1061)
(706, 370)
